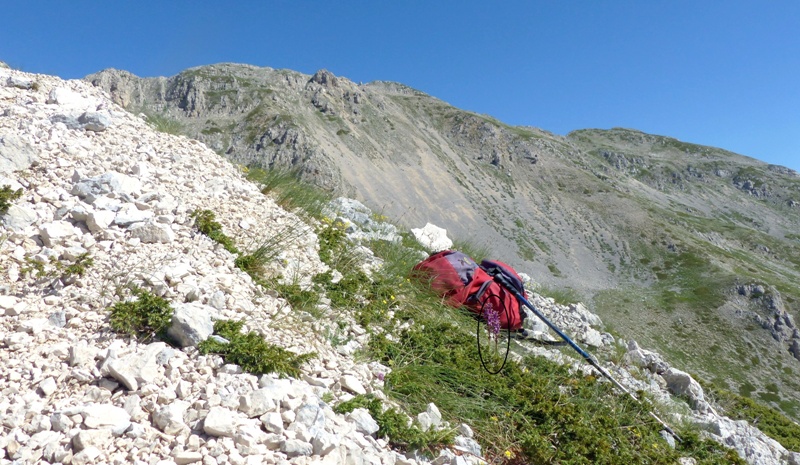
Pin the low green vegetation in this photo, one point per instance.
(254, 262)
(289, 191)
(560, 295)
(205, 222)
(163, 123)
(300, 299)
(251, 352)
(7, 197)
(144, 317)
(62, 270)
(395, 428)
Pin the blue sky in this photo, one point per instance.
(720, 73)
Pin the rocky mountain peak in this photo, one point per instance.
(325, 78)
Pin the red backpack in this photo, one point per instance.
(462, 282)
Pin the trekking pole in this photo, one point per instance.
(503, 281)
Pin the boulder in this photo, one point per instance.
(220, 421)
(57, 231)
(152, 233)
(95, 121)
(432, 238)
(16, 154)
(106, 416)
(681, 383)
(18, 217)
(257, 403)
(170, 418)
(142, 367)
(363, 421)
(192, 324)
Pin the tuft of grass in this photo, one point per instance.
(205, 222)
(7, 196)
(145, 318)
(561, 295)
(255, 262)
(478, 252)
(394, 426)
(163, 123)
(251, 352)
(289, 191)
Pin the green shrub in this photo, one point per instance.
(251, 352)
(393, 426)
(299, 298)
(205, 222)
(7, 196)
(145, 318)
(63, 271)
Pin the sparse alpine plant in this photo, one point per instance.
(492, 319)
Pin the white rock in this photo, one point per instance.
(18, 217)
(95, 121)
(311, 416)
(432, 237)
(86, 456)
(272, 422)
(187, 457)
(296, 447)
(220, 421)
(57, 231)
(7, 302)
(137, 368)
(151, 233)
(99, 220)
(67, 97)
(191, 323)
(48, 386)
(169, 418)
(257, 403)
(119, 183)
(681, 383)
(15, 154)
(129, 214)
(99, 438)
(324, 443)
(363, 421)
(351, 384)
(106, 416)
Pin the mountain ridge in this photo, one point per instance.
(97, 180)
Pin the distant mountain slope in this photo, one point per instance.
(692, 250)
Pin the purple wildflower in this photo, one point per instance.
(380, 375)
(492, 319)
